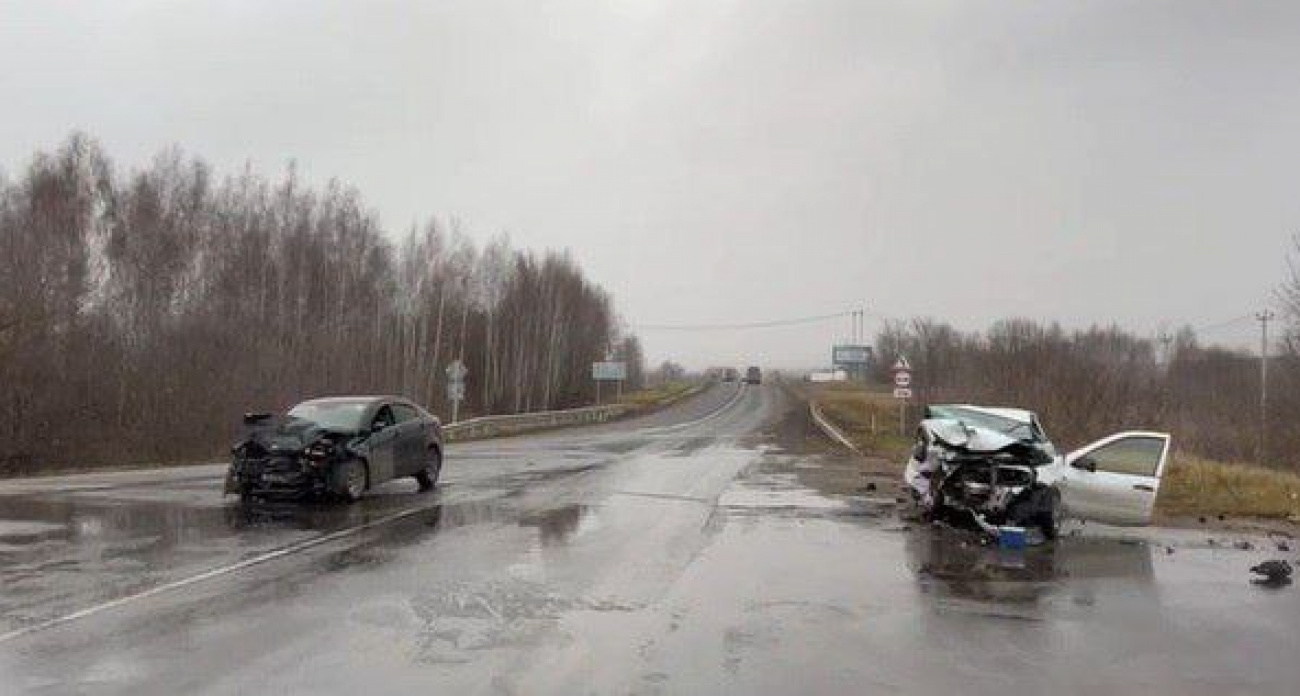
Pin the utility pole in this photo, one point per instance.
(1264, 318)
(1165, 338)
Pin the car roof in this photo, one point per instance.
(1019, 415)
(371, 402)
(358, 399)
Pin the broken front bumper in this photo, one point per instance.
(275, 476)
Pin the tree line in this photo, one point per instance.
(142, 313)
(1088, 383)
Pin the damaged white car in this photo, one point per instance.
(998, 467)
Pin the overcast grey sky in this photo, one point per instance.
(709, 162)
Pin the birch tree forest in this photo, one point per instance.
(141, 314)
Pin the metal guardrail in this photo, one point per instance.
(829, 428)
(496, 426)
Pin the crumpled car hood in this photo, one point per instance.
(286, 434)
(979, 440)
(954, 433)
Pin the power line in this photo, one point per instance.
(746, 325)
(1210, 328)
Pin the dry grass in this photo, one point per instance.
(655, 396)
(868, 418)
(1193, 487)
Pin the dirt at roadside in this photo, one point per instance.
(847, 472)
(837, 471)
(1246, 525)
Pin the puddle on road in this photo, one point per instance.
(691, 446)
(558, 525)
(777, 487)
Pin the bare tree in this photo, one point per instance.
(140, 314)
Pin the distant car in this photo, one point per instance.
(997, 466)
(337, 447)
(753, 375)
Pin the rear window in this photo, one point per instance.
(405, 412)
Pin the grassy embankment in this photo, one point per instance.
(654, 396)
(1191, 487)
(868, 418)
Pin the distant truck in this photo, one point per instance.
(753, 375)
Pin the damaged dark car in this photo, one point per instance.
(336, 447)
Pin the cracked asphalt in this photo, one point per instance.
(714, 547)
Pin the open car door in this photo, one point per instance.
(1115, 480)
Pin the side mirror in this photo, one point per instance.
(1086, 462)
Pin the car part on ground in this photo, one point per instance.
(1275, 573)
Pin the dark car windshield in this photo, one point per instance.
(333, 415)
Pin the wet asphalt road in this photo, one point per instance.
(666, 554)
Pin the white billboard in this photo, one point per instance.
(851, 355)
(609, 371)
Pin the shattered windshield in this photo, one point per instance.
(332, 415)
(1009, 426)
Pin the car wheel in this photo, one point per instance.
(1050, 512)
(350, 479)
(428, 476)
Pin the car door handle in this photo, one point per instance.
(1143, 487)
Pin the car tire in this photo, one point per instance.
(428, 476)
(350, 480)
(1049, 513)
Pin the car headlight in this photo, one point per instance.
(317, 452)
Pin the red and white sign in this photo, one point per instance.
(902, 378)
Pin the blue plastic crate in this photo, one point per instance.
(1012, 537)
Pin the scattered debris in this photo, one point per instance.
(1273, 573)
(871, 486)
(1244, 545)
(1169, 550)
(1222, 517)
(1283, 546)
(1201, 519)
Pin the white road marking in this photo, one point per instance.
(300, 546)
(698, 421)
(209, 574)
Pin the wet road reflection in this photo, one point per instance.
(556, 525)
(696, 562)
(962, 564)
